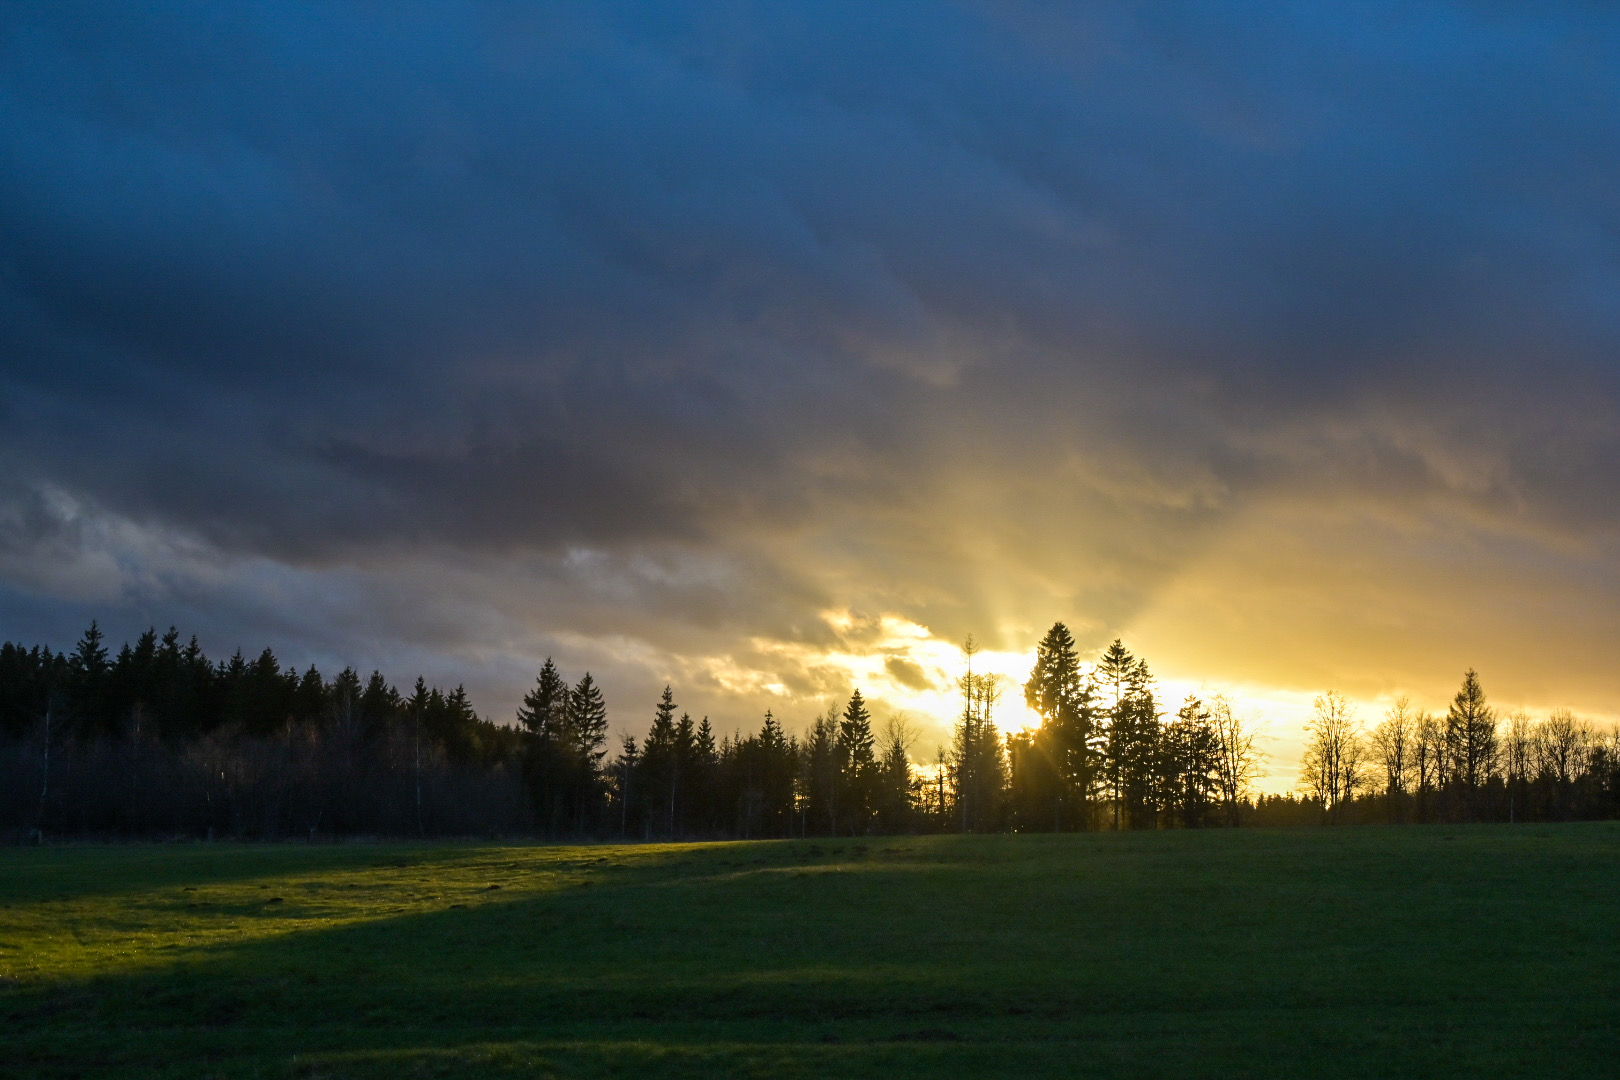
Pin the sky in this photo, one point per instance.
(768, 350)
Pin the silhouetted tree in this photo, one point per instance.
(857, 758)
(1394, 741)
(626, 799)
(894, 780)
(1190, 766)
(1470, 742)
(1133, 748)
(1054, 773)
(1237, 760)
(822, 774)
(1332, 770)
(87, 672)
(660, 767)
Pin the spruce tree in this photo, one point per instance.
(821, 774)
(587, 712)
(1055, 682)
(705, 799)
(309, 701)
(626, 795)
(545, 718)
(88, 683)
(857, 755)
(345, 697)
(894, 776)
(1133, 746)
(660, 764)
(1189, 761)
(1115, 668)
(1061, 760)
(1470, 739)
(543, 706)
(978, 757)
(379, 703)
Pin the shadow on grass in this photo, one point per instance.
(1409, 954)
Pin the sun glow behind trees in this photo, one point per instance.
(902, 666)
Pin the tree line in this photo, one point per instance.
(1469, 764)
(159, 740)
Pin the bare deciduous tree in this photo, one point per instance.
(1562, 747)
(1519, 759)
(1333, 767)
(1395, 740)
(1237, 761)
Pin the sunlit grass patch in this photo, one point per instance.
(1392, 950)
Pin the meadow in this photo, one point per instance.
(1419, 951)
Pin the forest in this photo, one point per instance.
(160, 741)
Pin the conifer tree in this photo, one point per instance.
(546, 716)
(894, 775)
(1470, 740)
(821, 775)
(1133, 743)
(344, 696)
(87, 671)
(309, 700)
(379, 703)
(660, 764)
(1116, 668)
(544, 705)
(1189, 758)
(626, 796)
(978, 760)
(857, 747)
(705, 802)
(1059, 763)
(587, 721)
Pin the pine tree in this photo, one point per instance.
(1189, 757)
(1059, 763)
(894, 776)
(706, 752)
(660, 763)
(587, 721)
(88, 683)
(1133, 742)
(309, 700)
(685, 791)
(1115, 670)
(379, 704)
(544, 706)
(705, 799)
(978, 758)
(545, 717)
(626, 796)
(345, 697)
(857, 746)
(1470, 740)
(459, 730)
(821, 775)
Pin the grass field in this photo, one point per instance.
(1373, 952)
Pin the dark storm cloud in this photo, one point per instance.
(494, 301)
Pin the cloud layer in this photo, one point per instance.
(685, 343)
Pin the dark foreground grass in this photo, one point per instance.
(1377, 952)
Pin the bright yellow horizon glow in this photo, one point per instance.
(901, 667)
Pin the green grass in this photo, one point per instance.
(1373, 952)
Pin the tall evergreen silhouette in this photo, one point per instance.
(155, 738)
(858, 759)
